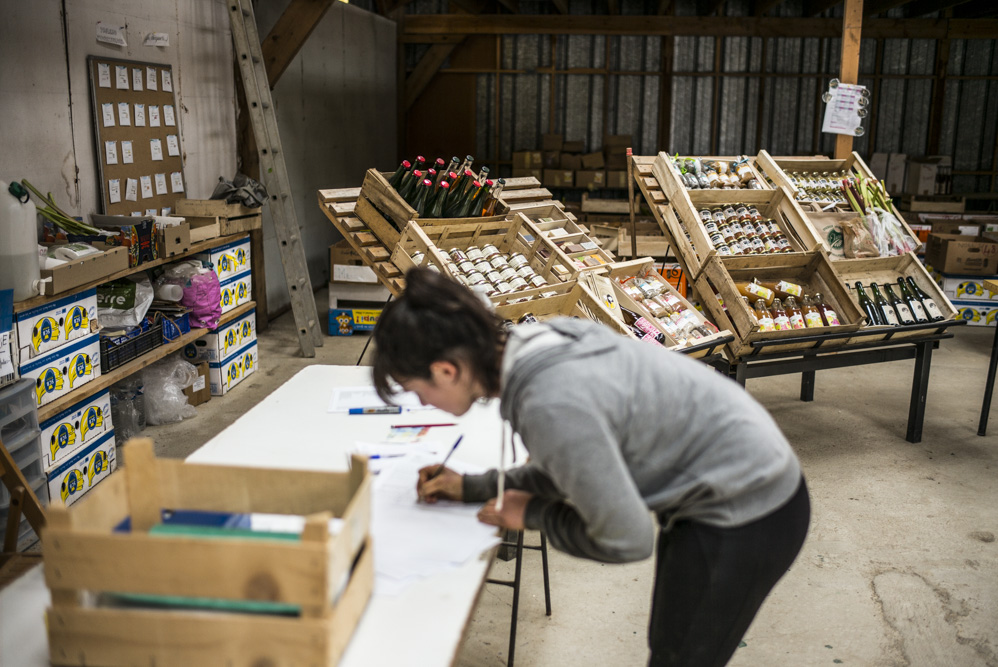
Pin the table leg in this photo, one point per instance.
(741, 372)
(986, 407)
(807, 386)
(919, 389)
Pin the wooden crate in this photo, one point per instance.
(645, 267)
(812, 270)
(888, 269)
(565, 300)
(778, 167)
(83, 552)
(679, 181)
(436, 241)
(210, 218)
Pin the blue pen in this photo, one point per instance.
(440, 469)
(386, 456)
(386, 410)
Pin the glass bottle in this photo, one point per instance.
(396, 179)
(914, 303)
(780, 318)
(755, 291)
(440, 201)
(885, 307)
(904, 312)
(795, 314)
(812, 316)
(783, 288)
(873, 315)
(441, 168)
(931, 307)
(490, 207)
(422, 193)
(828, 313)
(409, 186)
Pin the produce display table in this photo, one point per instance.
(990, 284)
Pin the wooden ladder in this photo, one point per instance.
(274, 173)
(22, 501)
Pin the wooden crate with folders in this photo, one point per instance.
(133, 581)
(642, 289)
(386, 213)
(211, 218)
(881, 270)
(720, 297)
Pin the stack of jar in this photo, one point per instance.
(737, 229)
(491, 271)
(698, 174)
(680, 321)
(815, 187)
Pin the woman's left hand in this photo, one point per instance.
(514, 506)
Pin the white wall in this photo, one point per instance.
(336, 112)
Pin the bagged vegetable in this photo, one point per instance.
(857, 241)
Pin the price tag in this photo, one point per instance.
(160, 184)
(103, 75)
(136, 79)
(114, 190)
(146, 184)
(111, 152)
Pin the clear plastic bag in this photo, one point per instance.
(890, 235)
(164, 382)
(127, 408)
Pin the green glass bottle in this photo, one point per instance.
(884, 306)
(904, 312)
(873, 315)
(422, 192)
(396, 180)
(914, 303)
(439, 201)
(931, 307)
(408, 190)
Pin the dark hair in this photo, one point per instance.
(436, 319)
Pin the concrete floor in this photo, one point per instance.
(900, 567)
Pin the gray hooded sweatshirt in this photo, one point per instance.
(617, 427)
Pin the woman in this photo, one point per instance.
(615, 428)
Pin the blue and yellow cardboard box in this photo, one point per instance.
(226, 374)
(345, 321)
(52, 325)
(977, 313)
(221, 342)
(63, 370)
(75, 427)
(231, 259)
(71, 480)
(236, 291)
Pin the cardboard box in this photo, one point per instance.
(964, 255)
(225, 375)
(236, 291)
(552, 142)
(573, 146)
(558, 178)
(52, 325)
(528, 160)
(964, 288)
(616, 179)
(229, 260)
(222, 342)
(878, 165)
(921, 178)
(75, 428)
(199, 392)
(533, 173)
(343, 273)
(342, 253)
(592, 161)
(897, 164)
(617, 143)
(616, 161)
(347, 321)
(675, 276)
(593, 180)
(81, 472)
(571, 162)
(551, 159)
(59, 372)
(84, 270)
(174, 240)
(977, 313)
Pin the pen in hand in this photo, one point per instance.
(441, 467)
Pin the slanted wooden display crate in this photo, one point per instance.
(328, 577)
(882, 270)
(210, 218)
(566, 300)
(811, 270)
(729, 159)
(573, 244)
(775, 205)
(645, 267)
(385, 212)
(778, 167)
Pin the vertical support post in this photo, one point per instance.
(807, 382)
(762, 98)
(516, 597)
(630, 199)
(989, 387)
(741, 373)
(144, 501)
(919, 389)
(938, 92)
(665, 94)
(852, 28)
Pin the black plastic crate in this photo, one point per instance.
(115, 352)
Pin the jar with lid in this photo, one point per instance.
(537, 281)
(465, 267)
(518, 284)
(498, 262)
(482, 266)
(517, 260)
(457, 255)
(508, 274)
(474, 253)
(489, 251)
(493, 277)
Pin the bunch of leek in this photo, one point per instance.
(58, 217)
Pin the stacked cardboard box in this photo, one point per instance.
(565, 164)
(960, 264)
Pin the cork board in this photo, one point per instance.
(136, 121)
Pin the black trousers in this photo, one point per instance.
(710, 582)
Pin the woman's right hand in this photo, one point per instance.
(445, 486)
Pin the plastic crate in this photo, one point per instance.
(17, 404)
(26, 450)
(118, 351)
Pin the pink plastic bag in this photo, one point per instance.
(203, 296)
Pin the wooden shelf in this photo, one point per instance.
(236, 313)
(194, 249)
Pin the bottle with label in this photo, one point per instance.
(931, 307)
(780, 318)
(641, 327)
(755, 292)
(812, 317)
(873, 315)
(904, 313)
(490, 207)
(783, 289)
(884, 306)
(828, 313)
(914, 303)
(794, 313)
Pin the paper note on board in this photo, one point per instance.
(114, 190)
(156, 147)
(121, 77)
(172, 145)
(146, 185)
(151, 79)
(136, 78)
(153, 115)
(103, 75)
(140, 115)
(161, 187)
(131, 189)
(107, 111)
(126, 152)
(111, 152)
(176, 182)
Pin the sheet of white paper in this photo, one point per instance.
(136, 214)
(6, 363)
(150, 211)
(124, 114)
(146, 184)
(151, 79)
(111, 152)
(167, 81)
(131, 189)
(107, 111)
(168, 118)
(172, 145)
(167, 210)
(114, 190)
(136, 78)
(140, 115)
(345, 398)
(156, 148)
(121, 77)
(842, 112)
(156, 39)
(161, 184)
(153, 115)
(103, 75)
(126, 152)
(176, 182)
(111, 34)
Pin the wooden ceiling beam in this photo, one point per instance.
(763, 6)
(425, 70)
(432, 26)
(289, 34)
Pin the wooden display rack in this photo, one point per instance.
(83, 551)
(812, 270)
(210, 218)
(565, 300)
(759, 176)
